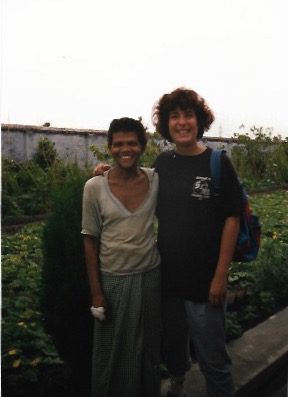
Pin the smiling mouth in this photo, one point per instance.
(126, 157)
(183, 132)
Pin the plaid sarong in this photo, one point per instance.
(126, 346)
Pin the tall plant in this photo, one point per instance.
(65, 295)
(46, 154)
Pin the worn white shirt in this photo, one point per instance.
(127, 239)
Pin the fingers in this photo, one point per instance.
(100, 169)
(216, 299)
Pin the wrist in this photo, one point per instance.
(221, 271)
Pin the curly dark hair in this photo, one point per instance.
(127, 124)
(184, 99)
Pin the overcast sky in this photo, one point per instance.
(81, 63)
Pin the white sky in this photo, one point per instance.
(81, 63)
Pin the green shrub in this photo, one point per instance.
(264, 281)
(260, 160)
(27, 187)
(24, 188)
(46, 154)
(271, 271)
(65, 294)
(277, 163)
(26, 347)
(272, 210)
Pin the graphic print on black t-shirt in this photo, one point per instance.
(201, 188)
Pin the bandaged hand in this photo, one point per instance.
(98, 312)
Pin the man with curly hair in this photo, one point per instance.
(196, 238)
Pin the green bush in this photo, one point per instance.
(271, 270)
(272, 210)
(65, 292)
(46, 155)
(261, 160)
(264, 281)
(25, 344)
(27, 186)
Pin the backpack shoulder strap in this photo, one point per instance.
(215, 167)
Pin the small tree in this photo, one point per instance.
(65, 295)
(46, 154)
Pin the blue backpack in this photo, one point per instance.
(248, 242)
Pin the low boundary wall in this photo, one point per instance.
(19, 142)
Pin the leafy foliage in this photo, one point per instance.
(63, 286)
(261, 160)
(27, 186)
(272, 209)
(264, 282)
(46, 154)
(25, 344)
(59, 277)
(65, 293)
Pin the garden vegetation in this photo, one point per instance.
(46, 324)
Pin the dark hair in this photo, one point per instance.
(127, 124)
(184, 99)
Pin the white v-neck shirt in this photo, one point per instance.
(127, 239)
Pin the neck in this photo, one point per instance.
(190, 150)
(124, 173)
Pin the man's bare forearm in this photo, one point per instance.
(92, 265)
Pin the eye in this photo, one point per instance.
(133, 143)
(173, 115)
(190, 114)
(117, 144)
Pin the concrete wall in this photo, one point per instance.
(19, 142)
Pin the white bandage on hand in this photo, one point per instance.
(98, 312)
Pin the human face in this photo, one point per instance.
(183, 127)
(125, 149)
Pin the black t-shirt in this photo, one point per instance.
(191, 219)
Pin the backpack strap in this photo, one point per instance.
(215, 169)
